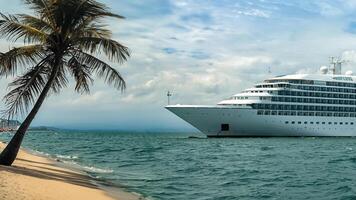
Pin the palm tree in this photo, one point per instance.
(60, 39)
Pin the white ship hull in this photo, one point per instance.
(244, 122)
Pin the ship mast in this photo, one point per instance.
(169, 94)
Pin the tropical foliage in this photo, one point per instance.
(60, 40)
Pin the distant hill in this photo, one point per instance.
(10, 125)
(43, 128)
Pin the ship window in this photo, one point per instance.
(330, 122)
(352, 123)
(293, 122)
(225, 127)
(286, 122)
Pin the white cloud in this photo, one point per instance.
(253, 12)
(203, 58)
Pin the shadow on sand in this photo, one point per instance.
(39, 170)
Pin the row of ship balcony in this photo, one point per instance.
(297, 94)
(350, 95)
(301, 113)
(313, 82)
(303, 107)
(289, 99)
(313, 100)
(327, 88)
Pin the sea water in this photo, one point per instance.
(173, 166)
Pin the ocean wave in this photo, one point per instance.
(88, 169)
(349, 159)
(69, 160)
(97, 170)
(344, 189)
(56, 156)
(267, 148)
(39, 153)
(69, 157)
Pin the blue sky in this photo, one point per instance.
(203, 51)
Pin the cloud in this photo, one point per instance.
(253, 12)
(197, 17)
(202, 51)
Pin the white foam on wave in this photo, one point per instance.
(70, 160)
(39, 153)
(87, 168)
(97, 170)
(59, 156)
(66, 156)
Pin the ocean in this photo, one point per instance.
(173, 166)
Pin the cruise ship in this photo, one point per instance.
(321, 104)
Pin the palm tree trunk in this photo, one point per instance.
(8, 155)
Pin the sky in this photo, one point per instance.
(203, 51)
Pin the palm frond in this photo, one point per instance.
(37, 5)
(103, 70)
(69, 13)
(42, 9)
(81, 74)
(25, 89)
(90, 26)
(63, 35)
(20, 56)
(38, 23)
(92, 30)
(111, 48)
(60, 81)
(13, 29)
(93, 10)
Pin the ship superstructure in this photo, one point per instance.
(290, 105)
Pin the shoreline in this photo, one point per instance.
(35, 177)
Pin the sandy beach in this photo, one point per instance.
(38, 178)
